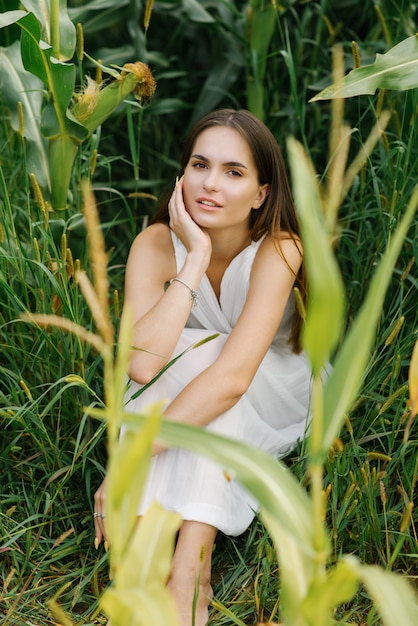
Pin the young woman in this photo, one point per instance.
(222, 255)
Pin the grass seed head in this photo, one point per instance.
(37, 192)
(36, 249)
(395, 331)
(21, 120)
(80, 41)
(406, 517)
(26, 389)
(382, 492)
(355, 50)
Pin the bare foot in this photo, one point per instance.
(183, 595)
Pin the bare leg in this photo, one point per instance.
(191, 572)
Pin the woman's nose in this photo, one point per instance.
(211, 181)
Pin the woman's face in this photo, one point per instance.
(220, 184)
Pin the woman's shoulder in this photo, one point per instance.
(156, 236)
(152, 245)
(152, 252)
(286, 246)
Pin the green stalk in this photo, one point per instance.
(55, 28)
(62, 152)
(8, 207)
(316, 474)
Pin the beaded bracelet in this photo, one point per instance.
(193, 293)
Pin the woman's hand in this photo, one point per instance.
(190, 234)
(100, 515)
(100, 506)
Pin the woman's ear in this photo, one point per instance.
(263, 192)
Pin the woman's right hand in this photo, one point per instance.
(194, 238)
(100, 515)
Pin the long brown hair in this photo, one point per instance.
(277, 214)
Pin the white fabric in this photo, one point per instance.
(271, 415)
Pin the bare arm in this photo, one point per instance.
(160, 315)
(225, 381)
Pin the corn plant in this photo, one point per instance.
(55, 128)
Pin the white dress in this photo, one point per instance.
(272, 414)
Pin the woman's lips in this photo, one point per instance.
(208, 204)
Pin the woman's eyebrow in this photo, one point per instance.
(200, 157)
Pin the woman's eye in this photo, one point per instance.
(234, 173)
(199, 165)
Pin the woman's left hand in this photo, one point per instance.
(194, 238)
(100, 515)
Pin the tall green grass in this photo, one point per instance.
(52, 454)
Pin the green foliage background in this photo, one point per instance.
(52, 455)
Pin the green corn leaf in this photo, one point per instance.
(346, 377)
(261, 25)
(57, 123)
(31, 54)
(128, 469)
(196, 13)
(148, 557)
(97, 15)
(58, 77)
(220, 79)
(276, 488)
(325, 593)
(284, 505)
(120, 377)
(132, 448)
(297, 568)
(19, 85)
(326, 302)
(391, 594)
(61, 123)
(11, 17)
(66, 33)
(139, 595)
(140, 607)
(396, 69)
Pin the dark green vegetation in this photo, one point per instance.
(52, 455)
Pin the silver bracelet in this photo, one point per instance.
(193, 293)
